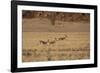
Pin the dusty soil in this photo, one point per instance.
(43, 41)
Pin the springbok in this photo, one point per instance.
(62, 38)
(44, 42)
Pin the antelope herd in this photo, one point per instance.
(48, 42)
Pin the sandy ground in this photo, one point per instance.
(74, 46)
(45, 25)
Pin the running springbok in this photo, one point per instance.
(44, 42)
(62, 38)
